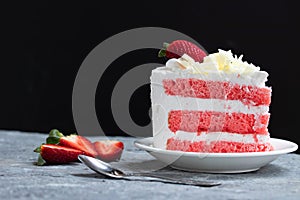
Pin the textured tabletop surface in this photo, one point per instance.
(21, 179)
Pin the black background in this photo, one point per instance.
(44, 44)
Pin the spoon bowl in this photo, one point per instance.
(101, 167)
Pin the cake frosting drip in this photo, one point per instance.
(222, 62)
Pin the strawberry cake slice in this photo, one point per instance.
(220, 105)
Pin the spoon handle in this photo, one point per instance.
(156, 178)
(108, 171)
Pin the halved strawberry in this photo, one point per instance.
(80, 143)
(109, 151)
(179, 47)
(55, 154)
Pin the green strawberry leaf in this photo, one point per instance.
(55, 133)
(54, 137)
(162, 52)
(41, 161)
(52, 140)
(38, 149)
(165, 45)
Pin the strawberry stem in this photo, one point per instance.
(54, 137)
(162, 52)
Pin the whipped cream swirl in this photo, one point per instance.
(222, 62)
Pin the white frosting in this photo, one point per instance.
(221, 66)
(256, 79)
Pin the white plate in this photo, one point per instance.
(217, 162)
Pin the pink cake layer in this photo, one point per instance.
(249, 95)
(216, 146)
(210, 121)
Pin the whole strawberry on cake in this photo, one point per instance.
(209, 102)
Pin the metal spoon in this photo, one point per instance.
(109, 171)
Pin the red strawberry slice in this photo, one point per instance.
(179, 47)
(55, 154)
(109, 151)
(80, 143)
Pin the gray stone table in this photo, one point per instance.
(21, 179)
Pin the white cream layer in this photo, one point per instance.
(197, 104)
(255, 79)
(221, 136)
